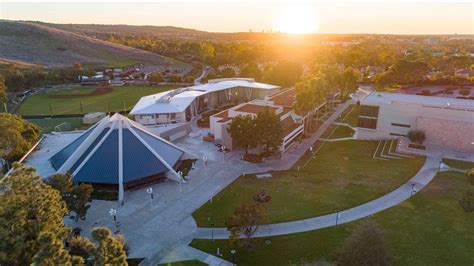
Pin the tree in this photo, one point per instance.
(245, 220)
(105, 249)
(77, 66)
(227, 73)
(268, 129)
(365, 246)
(251, 70)
(3, 90)
(52, 252)
(283, 73)
(242, 131)
(32, 228)
(17, 136)
(309, 95)
(348, 81)
(417, 136)
(108, 249)
(155, 77)
(76, 197)
(29, 208)
(81, 247)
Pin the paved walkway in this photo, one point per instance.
(185, 252)
(419, 181)
(161, 230)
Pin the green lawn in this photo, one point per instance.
(342, 175)
(184, 263)
(459, 164)
(429, 229)
(351, 117)
(114, 101)
(342, 132)
(48, 125)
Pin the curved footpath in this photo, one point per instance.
(420, 180)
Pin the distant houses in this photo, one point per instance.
(98, 80)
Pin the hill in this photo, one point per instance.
(39, 44)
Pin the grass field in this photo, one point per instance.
(429, 229)
(184, 263)
(342, 132)
(124, 97)
(342, 175)
(459, 164)
(48, 125)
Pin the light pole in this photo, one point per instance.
(180, 181)
(413, 189)
(113, 213)
(337, 217)
(311, 150)
(233, 255)
(223, 148)
(212, 231)
(204, 159)
(150, 192)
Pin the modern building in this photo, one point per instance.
(447, 122)
(279, 103)
(181, 105)
(120, 154)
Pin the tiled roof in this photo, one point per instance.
(284, 98)
(254, 108)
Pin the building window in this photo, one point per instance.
(173, 115)
(367, 123)
(369, 111)
(400, 125)
(398, 135)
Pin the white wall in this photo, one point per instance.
(408, 113)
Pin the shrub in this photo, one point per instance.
(425, 92)
(470, 176)
(365, 246)
(417, 136)
(465, 92)
(467, 202)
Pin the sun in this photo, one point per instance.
(297, 19)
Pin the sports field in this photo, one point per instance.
(86, 100)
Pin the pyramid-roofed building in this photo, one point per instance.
(119, 151)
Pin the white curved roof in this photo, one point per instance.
(178, 100)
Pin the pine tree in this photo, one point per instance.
(29, 208)
(52, 252)
(77, 197)
(109, 249)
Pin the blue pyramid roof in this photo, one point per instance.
(117, 146)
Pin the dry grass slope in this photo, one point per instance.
(39, 44)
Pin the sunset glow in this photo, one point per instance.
(297, 20)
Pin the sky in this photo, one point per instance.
(318, 17)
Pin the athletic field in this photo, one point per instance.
(86, 100)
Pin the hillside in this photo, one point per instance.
(39, 44)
